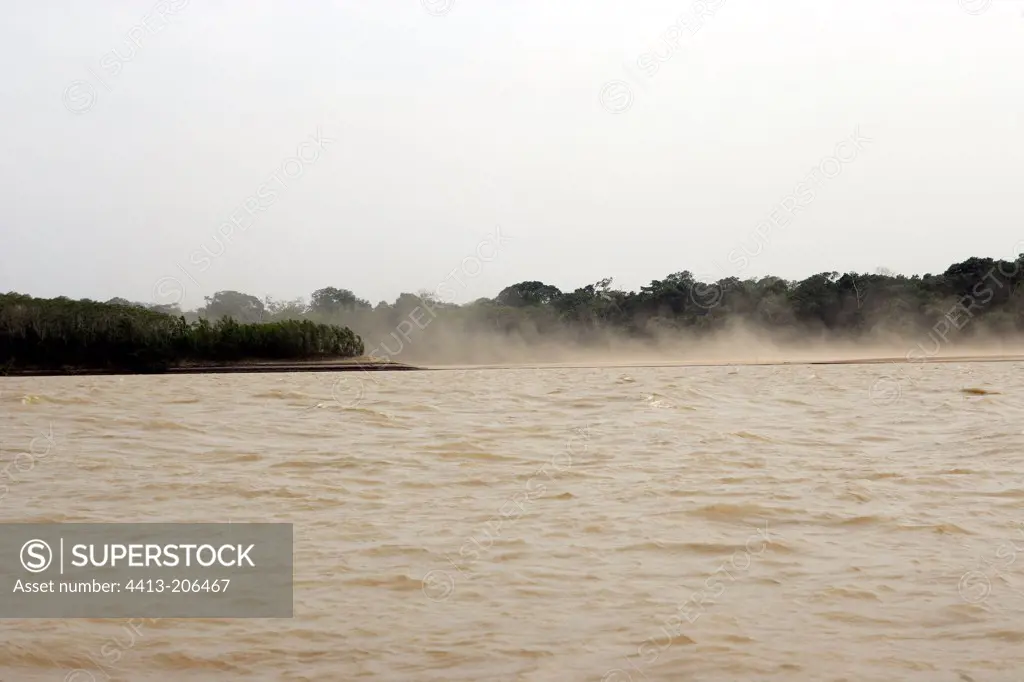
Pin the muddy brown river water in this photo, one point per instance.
(841, 522)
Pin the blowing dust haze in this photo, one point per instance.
(741, 344)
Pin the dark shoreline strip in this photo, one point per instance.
(221, 369)
(268, 368)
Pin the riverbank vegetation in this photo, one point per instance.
(974, 297)
(61, 333)
(976, 294)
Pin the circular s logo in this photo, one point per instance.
(36, 556)
(885, 391)
(438, 8)
(169, 291)
(974, 587)
(438, 585)
(79, 675)
(706, 296)
(616, 97)
(348, 392)
(79, 97)
(975, 7)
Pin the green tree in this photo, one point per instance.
(233, 304)
(331, 301)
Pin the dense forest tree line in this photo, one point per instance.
(850, 304)
(60, 332)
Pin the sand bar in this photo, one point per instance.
(738, 363)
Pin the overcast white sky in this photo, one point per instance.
(491, 114)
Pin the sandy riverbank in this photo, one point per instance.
(745, 362)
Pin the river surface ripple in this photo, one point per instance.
(847, 522)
